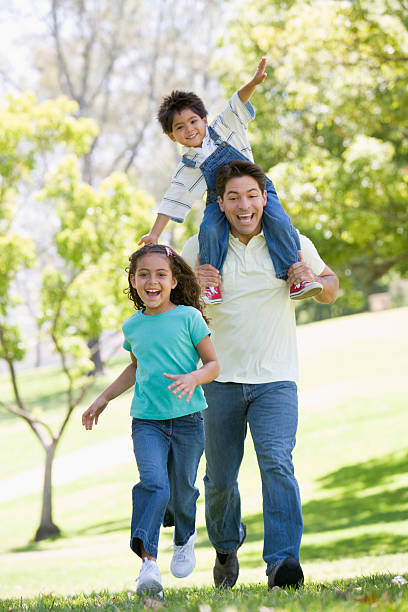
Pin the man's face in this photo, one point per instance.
(188, 128)
(243, 203)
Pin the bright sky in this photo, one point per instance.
(17, 20)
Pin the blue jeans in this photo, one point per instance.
(167, 456)
(281, 237)
(271, 411)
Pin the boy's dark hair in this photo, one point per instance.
(176, 102)
(187, 291)
(236, 169)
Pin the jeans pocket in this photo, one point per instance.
(196, 416)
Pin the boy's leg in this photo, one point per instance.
(213, 244)
(151, 495)
(284, 245)
(281, 237)
(213, 236)
(225, 430)
(273, 418)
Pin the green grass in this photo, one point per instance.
(351, 461)
(375, 592)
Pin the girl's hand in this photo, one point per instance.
(91, 415)
(184, 384)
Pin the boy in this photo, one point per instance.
(183, 118)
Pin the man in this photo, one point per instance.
(255, 339)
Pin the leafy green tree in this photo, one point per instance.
(81, 291)
(332, 126)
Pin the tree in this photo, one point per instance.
(331, 124)
(116, 60)
(80, 294)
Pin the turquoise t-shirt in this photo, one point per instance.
(164, 342)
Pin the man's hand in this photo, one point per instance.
(299, 272)
(207, 275)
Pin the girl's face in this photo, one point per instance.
(153, 280)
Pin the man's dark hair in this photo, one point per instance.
(176, 102)
(236, 169)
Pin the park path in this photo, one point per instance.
(67, 468)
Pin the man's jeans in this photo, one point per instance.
(271, 411)
(167, 455)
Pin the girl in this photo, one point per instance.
(165, 337)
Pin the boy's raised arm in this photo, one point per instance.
(155, 233)
(247, 90)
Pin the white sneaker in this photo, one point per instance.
(183, 561)
(149, 581)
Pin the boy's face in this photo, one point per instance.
(243, 203)
(188, 128)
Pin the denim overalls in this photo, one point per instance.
(281, 237)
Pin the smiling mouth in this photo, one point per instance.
(152, 292)
(246, 218)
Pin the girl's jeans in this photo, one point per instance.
(281, 237)
(271, 411)
(167, 456)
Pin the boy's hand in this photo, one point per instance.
(248, 89)
(260, 74)
(149, 239)
(184, 384)
(91, 415)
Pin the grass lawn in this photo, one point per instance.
(351, 461)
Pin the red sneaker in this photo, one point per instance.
(305, 289)
(212, 295)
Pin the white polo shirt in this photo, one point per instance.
(254, 328)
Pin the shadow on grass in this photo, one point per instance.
(348, 506)
(372, 544)
(369, 474)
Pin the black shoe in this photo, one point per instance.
(288, 573)
(226, 568)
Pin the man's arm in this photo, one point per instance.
(300, 271)
(247, 90)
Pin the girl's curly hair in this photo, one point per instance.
(187, 292)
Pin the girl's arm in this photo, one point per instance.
(184, 384)
(247, 90)
(122, 383)
(156, 231)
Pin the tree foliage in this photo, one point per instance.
(331, 123)
(81, 291)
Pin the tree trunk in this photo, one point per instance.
(47, 528)
(96, 358)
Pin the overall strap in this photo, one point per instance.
(215, 137)
(188, 162)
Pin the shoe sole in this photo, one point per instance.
(182, 575)
(211, 301)
(151, 587)
(306, 293)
